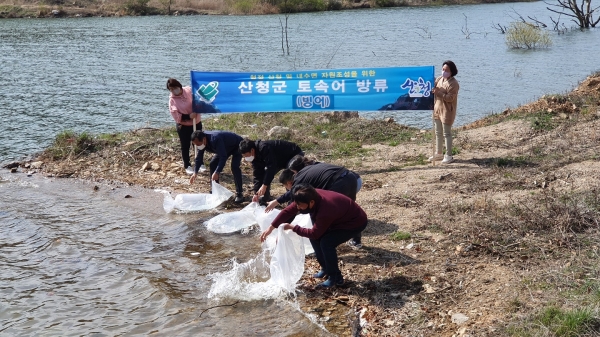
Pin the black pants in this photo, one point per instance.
(185, 137)
(236, 159)
(346, 185)
(326, 249)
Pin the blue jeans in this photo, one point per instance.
(326, 249)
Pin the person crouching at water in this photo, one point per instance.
(267, 158)
(336, 219)
(319, 175)
(223, 144)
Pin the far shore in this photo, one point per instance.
(118, 8)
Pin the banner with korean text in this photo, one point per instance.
(358, 89)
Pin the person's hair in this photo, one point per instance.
(246, 145)
(286, 176)
(173, 83)
(198, 134)
(304, 193)
(452, 66)
(298, 162)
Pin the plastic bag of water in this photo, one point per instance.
(196, 202)
(233, 221)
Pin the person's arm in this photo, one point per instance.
(451, 92)
(174, 112)
(198, 161)
(285, 216)
(287, 196)
(319, 227)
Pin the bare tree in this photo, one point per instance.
(284, 35)
(499, 27)
(426, 33)
(582, 14)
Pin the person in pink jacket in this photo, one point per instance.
(444, 110)
(180, 107)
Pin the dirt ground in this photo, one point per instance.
(457, 274)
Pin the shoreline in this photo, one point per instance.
(119, 8)
(485, 246)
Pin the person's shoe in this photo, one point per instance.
(436, 157)
(447, 159)
(320, 274)
(239, 199)
(354, 244)
(263, 200)
(331, 282)
(202, 168)
(189, 170)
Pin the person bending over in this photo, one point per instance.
(267, 157)
(223, 144)
(335, 218)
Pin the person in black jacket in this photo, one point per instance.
(267, 158)
(223, 144)
(319, 175)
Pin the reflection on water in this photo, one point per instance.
(109, 74)
(76, 262)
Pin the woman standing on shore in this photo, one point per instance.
(444, 110)
(180, 107)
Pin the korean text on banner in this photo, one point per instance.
(359, 89)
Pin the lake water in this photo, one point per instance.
(79, 262)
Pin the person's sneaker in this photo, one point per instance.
(189, 170)
(354, 244)
(331, 282)
(436, 157)
(202, 168)
(263, 200)
(447, 159)
(239, 199)
(320, 274)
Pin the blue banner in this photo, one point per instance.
(359, 89)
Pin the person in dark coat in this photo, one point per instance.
(319, 175)
(336, 219)
(223, 144)
(267, 157)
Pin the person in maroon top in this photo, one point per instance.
(336, 219)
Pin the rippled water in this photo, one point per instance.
(109, 74)
(79, 262)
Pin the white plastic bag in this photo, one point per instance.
(233, 221)
(287, 262)
(265, 219)
(197, 202)
(303, 220)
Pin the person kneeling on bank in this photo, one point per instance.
(336, 219)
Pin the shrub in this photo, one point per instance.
(398, 236)
(294, 6)
(137, 7)
(334, 5)
(244, 6)
(384, 3)
(521, 35)
(68, 143)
